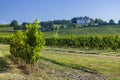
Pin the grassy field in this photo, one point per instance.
(78, 31)
(64, 64)
(8, 71)
(46, 70)
(6, 28)
(97, 64)
(6, 34)
(81, 31)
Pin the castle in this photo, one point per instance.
(83, 20)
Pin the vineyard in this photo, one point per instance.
(86, 31)
(66, 56)
(68, 40)
(87, 42)
(78, 31)
(91, 42)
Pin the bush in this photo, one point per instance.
(26, 46)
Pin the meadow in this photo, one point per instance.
(78, 31)
(65, 62)
(107, 65)
(86, 31)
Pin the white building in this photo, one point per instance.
(83, 20)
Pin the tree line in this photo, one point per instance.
(50, 25)
(97, 22)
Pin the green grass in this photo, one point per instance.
(98, 64)
(4, 50)
(78, 31)
(61, 64)
(6, 34)
(45, 70)
(64, 64)
(6, 28)
(81, 31)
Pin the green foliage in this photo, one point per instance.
(5, 40)
(87, 31)
(97, 64)
(74, 20)
(61, 22)
(15, 25)
(99, 22)
(27, 46)
(34, 42)
(91, 42)
(56, 28)
(119, 22)
(17, 45)
(5, 29)
(24, 25)
(92, 22)
(111, 22)
(47, 26)
(5, 25)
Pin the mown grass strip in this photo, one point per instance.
(74, 66)
(96, 64)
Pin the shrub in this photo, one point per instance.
(27, 45)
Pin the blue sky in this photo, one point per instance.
(44, 10)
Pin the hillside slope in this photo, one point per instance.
(81, 31)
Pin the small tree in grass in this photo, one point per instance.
(27, 45)
(34, 42)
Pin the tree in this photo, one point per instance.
(24, 25)
(92, 22)
(47, 26)
(34, 42)
(111, 22)
(61, 22)
(74, 20)
(71, 25)
(100, 22)
(119, 22)
(26, 46)
(15, 25)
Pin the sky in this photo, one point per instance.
(45, 10)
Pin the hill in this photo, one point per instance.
(86, 31)
(76, 31)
